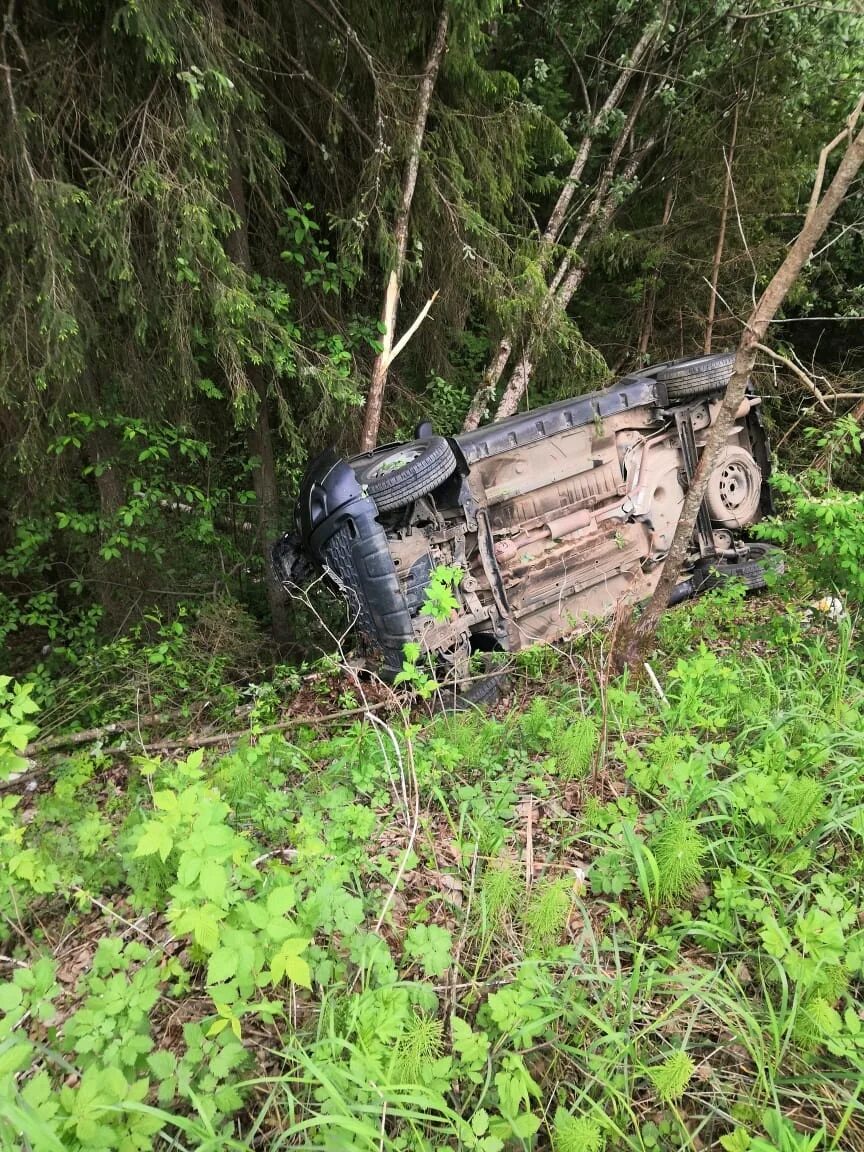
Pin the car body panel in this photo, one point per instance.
(555, 517)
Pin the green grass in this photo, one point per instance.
(603, 921)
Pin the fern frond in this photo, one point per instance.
(678, 849)
(670, 1079)
(801, 804)
(817, 1022)
(537, 728)
(576, 1133)
(500, 890)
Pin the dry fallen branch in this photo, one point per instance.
(799, 372)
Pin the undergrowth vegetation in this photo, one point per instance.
(605, 917)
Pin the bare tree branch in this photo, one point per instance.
(375, 397)
(799, 372)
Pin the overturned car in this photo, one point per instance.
(551, 517)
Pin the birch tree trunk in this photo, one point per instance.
(647, 330)
(558, 218)
(564, 287)
(721, 237)
(819, 215)
(390, 308)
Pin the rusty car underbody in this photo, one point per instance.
(553, 516)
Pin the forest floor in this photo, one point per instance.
(606, 914)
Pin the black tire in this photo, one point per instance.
(483, 692)
(397, 476)
(762, 558)
(359, 558)
(699, 376)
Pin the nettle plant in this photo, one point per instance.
(17, 707)
(439, 603)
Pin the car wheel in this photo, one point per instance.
(753, 572)
(483, 692)
(397, 476)
(686, 379)
(734, 489)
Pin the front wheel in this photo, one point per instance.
(397, 476)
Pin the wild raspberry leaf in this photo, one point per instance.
(162, 1063)
(213, 881)
(202, 924)
(222, 965)
(281, 900)
(155, 839)
(288, 963)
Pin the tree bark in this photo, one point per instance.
(557, 220)
(818, 218)
(721, 236)
(647, 330)
(260, 436)
(564, 287)
(375, 397)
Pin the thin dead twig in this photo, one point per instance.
(797, 371)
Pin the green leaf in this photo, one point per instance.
(525, 1125)
(213, 881)
(10, 997)
(162, 1064)
(281, 900)
(222, 965)
(155, 838)
(288, 963)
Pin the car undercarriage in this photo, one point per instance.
(552, 517)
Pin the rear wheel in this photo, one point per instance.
(397, 476)
(699, 376)
(755, 571)
(734, 490)
(482, 693)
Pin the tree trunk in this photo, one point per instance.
(375, 397)
(486, 392)
(558, 219)
(260, 436)
(819, 215)
(721, 236)
(647, 330)
(564, 287)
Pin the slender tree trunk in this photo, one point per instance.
(651, 292)
(559, 213)
(116, 578)
(721, 236)
(558, 218)
(485, 393)
(375, 397)
(260, 436)
(564, 287)
(819, 215)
